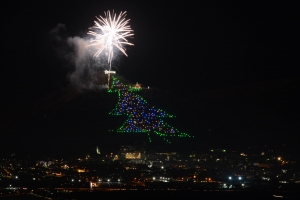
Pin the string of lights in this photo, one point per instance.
(142, 117)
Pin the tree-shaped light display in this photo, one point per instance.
(142, 117)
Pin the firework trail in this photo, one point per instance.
(109, 32)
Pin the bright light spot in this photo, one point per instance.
(240, 178)
(153, 178)
(229, 177)
(279, 158)
(109, 72)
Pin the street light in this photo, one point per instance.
(279, 158)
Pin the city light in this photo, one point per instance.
(279, 158)
(160, 173)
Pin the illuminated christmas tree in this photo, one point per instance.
(141, 116)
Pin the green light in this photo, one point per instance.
(141, 116)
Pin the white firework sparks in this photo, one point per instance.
(110, 31)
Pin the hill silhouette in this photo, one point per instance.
(68, 122)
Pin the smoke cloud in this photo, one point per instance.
(84, 68)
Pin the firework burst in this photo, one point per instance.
(109, 32)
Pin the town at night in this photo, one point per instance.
(156, 99)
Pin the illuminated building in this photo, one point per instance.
(45, 163)
(133, 155)
(130, 155)
(137, 85)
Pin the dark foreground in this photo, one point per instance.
(161, 194)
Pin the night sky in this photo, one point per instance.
(227, 71)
